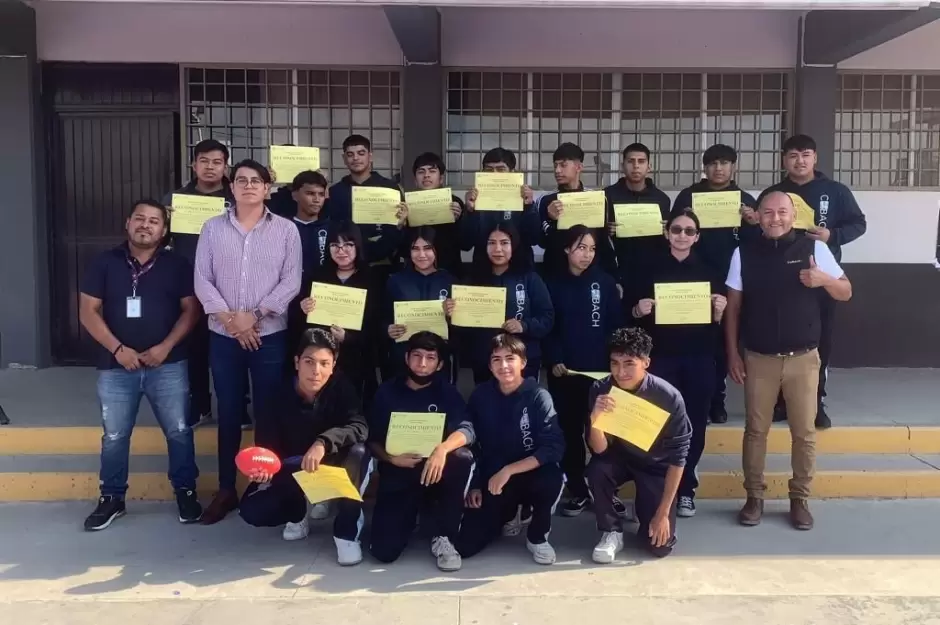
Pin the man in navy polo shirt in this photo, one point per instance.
(137, 302)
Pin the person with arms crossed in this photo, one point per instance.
(656, 473)
(518, 448)
(429, 170)
(839, 221)
(774, 310)
(137, 302)
(316, 419)
(248, 268)
(411, 483)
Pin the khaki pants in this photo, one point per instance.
(798, 376)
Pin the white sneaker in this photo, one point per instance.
(319, 511)
(610, 545)
(348, 552)
(296, 531)
(542, 553)
(514, 527)
(447, 557)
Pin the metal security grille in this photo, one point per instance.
(888, 131)
(251, 109)
(677, 115)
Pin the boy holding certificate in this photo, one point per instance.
(429, 170)
(317, 419)
(417, 430)
(657, 471)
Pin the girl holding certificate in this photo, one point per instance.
(347, 265)
(529, 312)
(420, 280)
(684, 345)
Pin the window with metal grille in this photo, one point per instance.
(888, 131)
(676, 115)
(252, 109)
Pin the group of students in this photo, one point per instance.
(567, 315)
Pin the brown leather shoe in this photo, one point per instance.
(224, 502)
(800, 516)
(752, 511)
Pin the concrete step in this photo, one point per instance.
(53, 477)
(720, 439)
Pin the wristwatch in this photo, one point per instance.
(258, 314)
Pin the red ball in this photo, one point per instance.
(253, 459)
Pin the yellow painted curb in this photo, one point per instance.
(719, 440)
(17, 487)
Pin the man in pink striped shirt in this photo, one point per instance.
(248, 267)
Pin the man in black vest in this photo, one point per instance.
(775, 311)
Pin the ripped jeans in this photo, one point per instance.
(167, 390)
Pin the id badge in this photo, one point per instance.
(133, 308)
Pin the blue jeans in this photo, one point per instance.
(229, 363)
(167, 389)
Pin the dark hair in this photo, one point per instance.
(428, 341)
(568, 152)
(317, 338)
(518, 263)
(719, 152)
(636, 147)
(153, 204)
(678, 212)
(427, 233)
(313, 178)
(428, 159)
(355, 140)
(514, 344)
(345, 231)
(574, 235)
(799, 143)
(258, 168)
(210, 145)
(500, 155)
(633, 342)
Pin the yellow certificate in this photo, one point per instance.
(498, 191)
(288, 160)
(191, 212)
(375, 205)
(682, 303)
(634, 420)
(805, 215)
(327, 483)
(584, 207)
(418, 316)
(429, 208)
(597, 375)
(479, 306)
(638, 220)
(414, 433)
(721, 209)
(336, 305)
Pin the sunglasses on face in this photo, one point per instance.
(689, 232)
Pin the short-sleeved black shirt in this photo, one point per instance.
(160, 290)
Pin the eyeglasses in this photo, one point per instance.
(689, 232)
(249, 182)
(345, 245)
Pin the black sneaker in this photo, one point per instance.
(718, 414)
(189, 506)
(823, 422)
(109, 508)
(620, 508)
(686, 507)
(780, 413)
(574, 506)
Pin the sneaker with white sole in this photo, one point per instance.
(542, 553)
(624, 510)
(611, 543)
(348, 552)
(521, 520)
(447, 557)
(574, 506)
(319, 511)
(296, 531)
(686, 507)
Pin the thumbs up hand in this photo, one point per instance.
(814, 277)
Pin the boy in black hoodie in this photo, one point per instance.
(429, 170)
(411, 482)
(315, 420)
(716, 245)
(635, 188)
(519, 446)
(657, 472)
(839, 221)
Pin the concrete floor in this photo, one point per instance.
(874, 562)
